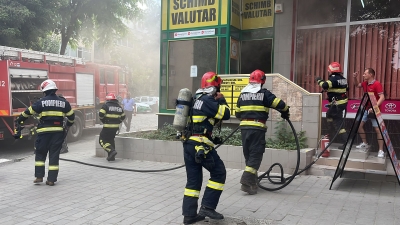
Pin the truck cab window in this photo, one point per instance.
(110, 77)
(102, 77)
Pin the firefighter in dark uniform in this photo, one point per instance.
(51, 110)
(252, 110)
(336, 88)
(209, 108)
(111, 115)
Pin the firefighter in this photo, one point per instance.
(209, 108)
(336, 88)
(51, 110)
(111, 115)
(252, 110)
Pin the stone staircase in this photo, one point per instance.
(360, 164)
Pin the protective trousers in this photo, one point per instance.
(253, 142)
(106, 138)
(48, 143)
(194, 172)
(334, 119)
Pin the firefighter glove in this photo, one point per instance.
(285, 114)
(18, 129)
(318, 79)
(217, 140)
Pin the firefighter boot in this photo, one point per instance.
(49, 183)
(249, 183)
(38, 180)
(111, 155)
(192, 219)
(211, 213)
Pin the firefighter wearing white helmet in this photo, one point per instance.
(111, 115)
(51, 110)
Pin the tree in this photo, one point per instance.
(24, 22)
(87, 20)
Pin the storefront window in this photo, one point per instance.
(376, 46)
(316, 48)
(163, 80)
(181, 56)
(315, 12)
(374, 9)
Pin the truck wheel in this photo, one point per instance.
(75, 131)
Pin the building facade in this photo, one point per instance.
(296, 38)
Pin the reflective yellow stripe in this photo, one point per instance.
(192, 193)
(202, 140)
(52, 113)
(275, 102)
(111, 125)
(198, 119)
(211, 79)
(70, 112)
(112, 116)
(337, 90)
(46, 129)
(53, 167)
(250, 170)
(237, 109)
(71, 121)
(342, 131)
(285, 109)
(31, 111)
(329, 83)
(259, 108)
(123, 114)
(215, 185)
(220, 113)
(329, 120)
(24, 114)
(39, 163)
(103, 111)
(252, 123)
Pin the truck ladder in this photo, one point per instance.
(20, 54)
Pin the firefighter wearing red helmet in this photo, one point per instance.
(111, 115)
(252, 110)
(336, 88)
(51, 133)
(209, 108)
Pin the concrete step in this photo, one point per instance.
(372, 162)
(350, 173)
(355, 153)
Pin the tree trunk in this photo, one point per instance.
(64, 42)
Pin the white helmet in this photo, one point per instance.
(48, 85)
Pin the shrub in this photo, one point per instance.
(284, 136)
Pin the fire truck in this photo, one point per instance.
(84, 85)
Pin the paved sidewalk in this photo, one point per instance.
(90, 195)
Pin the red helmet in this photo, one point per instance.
(110, 96)
(257, 76)
(335, 67)
(210, 79)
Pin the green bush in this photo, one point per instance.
(285, 139)
(284, 136)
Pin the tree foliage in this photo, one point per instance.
(24, 22)
(88, 20)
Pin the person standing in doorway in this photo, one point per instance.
(370, 84)
(128, 103)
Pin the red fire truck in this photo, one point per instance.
(84, 85)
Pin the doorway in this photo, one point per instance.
(256, 54)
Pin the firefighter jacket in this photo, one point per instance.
(253, 108)
(51, 111)
(111, 114)
(336, 88)
(206, 113)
